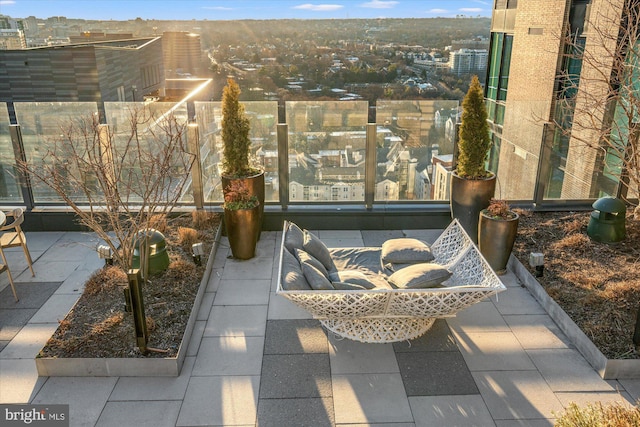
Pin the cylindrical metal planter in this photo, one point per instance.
(467, 198)
(255, 185)
(496, 238)
(243, 227)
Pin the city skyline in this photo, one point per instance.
(243, 9)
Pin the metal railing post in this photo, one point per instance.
(370, 166)
(193, 141)
(283, 164)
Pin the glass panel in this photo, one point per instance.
(263, 116)
(415, 149)
(327, 141)
(494, 67)
(143, 135)
(9, 189)
(504, 68)
(48, 127)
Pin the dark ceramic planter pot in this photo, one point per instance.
(255, 185)
(243, 228)
(467, 198)
(496, 237)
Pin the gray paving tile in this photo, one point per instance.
(428, 236)
(435, 374)
(29, 341)
(370, 398)
(461, 411)
(512, 395)
(493, 351)
(255, 268)
(55, 309)
(31, 295)
(632, 386)
(205, 306)
(509, 279)
(295, 337)
(438, 338)
(12, 320)
(237, 320)
(196, 338)
(229, 356)
(74, 284)
(310, 412)
(343, 242)
(53, 271)
(40, 241)
(584, 399)
(566, 370)
(375, 238)
(220, 401)
(282, 308)
(537, 331)
(295, 376)
(85, 396)
(214, 280)
(352, 357)
(377, 425)
(481, 317)
(154, 388)
(20, 380)
(518, 300)
(152, 414)
(243, 292)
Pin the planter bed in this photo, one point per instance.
(132, 366)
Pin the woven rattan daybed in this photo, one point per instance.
(382, 313)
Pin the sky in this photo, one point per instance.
(243, 9)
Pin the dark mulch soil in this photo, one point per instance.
(98, 325)
(597, 284)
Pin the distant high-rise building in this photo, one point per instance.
(467, 61)
(110, 71)
(182, 54)
(525, 96)
(12, 39)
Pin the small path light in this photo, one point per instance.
(536, 260)
(104, 252)
(198, 251)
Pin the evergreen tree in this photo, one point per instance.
(474, 141)
(235, 133)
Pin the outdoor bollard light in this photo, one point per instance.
(536, 260)
(137, 306)
(198, 251)
(104, 252)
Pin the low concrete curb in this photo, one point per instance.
(607, 368)
(132, 367)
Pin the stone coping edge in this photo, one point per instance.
(133, 367)
(606, 368)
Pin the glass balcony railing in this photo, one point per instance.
(333, 154)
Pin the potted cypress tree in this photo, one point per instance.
(497, 231)
(472, 186)
(236, 165)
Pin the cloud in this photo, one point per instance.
(486, 3)
(7, 2)
(437, 11)
(471, 9)
(319, 7)
(379, 4)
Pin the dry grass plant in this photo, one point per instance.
(599, 415)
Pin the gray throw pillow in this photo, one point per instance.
(315, 278)
(419, 276)
(294, 238)
(354, 277)
(405, 251)
(318, 250)
(304, 256)
(292, 277)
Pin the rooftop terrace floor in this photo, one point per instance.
(256, 359)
